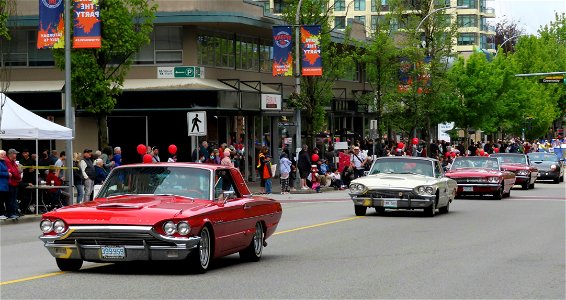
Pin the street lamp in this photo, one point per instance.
(298, 75)
(437, 10)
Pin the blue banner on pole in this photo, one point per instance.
(86, 33)
(51, 24)
(310, 44)
(282, 51)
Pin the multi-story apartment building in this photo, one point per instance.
(474, 29)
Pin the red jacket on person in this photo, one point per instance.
(16, 177)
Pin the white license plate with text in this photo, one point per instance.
(113, 252)
(468, 189)
(390, 203)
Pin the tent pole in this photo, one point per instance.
(36, 178)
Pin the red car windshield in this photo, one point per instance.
(181, 181)
(475, 162)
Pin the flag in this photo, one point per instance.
(282, 55)
(310, 46)
(51, 24)
(86, 20)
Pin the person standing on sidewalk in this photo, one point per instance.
(88, 173)
(266, 174)
(285, 170)
(4, 188)
(78, 179)
(14, 178)
(304, 166)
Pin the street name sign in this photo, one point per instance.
(552, 79)
(196, 122)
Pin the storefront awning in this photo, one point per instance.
(35, 86)
(195, 84)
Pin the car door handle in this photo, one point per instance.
(246, 206)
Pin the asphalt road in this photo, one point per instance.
(513, 248)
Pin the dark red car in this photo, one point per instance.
(525, 174)
(480, 175)
(165, 211)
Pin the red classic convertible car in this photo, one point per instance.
(163, 211)
(480, 175)
(518, 163)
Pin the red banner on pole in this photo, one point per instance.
(310, 45)
(86, 32)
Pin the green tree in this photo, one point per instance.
(316, 91)
(7, 11)
(98, 74)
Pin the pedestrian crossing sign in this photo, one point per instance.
(196, 121)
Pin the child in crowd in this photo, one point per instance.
(266, 173)
(315, 183)
(285, 169)
(335, 180)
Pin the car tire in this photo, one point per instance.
(255, 248)
(200, 257)
(499, 194)
(360, 210)
(69, 264)
(445, 209)
(557, 180)
(525, 186)
(431, 210)
(380, 210)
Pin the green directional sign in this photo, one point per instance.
(180, 72)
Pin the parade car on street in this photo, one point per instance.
(403, 182)
(549, 166)
(480, 175)
(163, 211)
(525, 174)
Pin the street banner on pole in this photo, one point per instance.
(86, 32)
(310, 45)
(51, 24)
(282, 54)
(405, 78)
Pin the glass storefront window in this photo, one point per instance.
(21, 51)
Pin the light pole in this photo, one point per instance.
(435, 11)
(69, 113)
(298, 74)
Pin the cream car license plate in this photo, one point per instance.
(390, 203)
(113, 252)
(468, 189)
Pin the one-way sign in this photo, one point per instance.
(196, 121)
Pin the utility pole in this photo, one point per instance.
(69, 113)
(298, 74)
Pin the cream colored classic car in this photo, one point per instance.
(403, 182)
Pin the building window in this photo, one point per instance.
(467, 21)
(340, 22)
(278, 6)
(465, 39)
(359, 5)
(165, 47)
(266, 56)
(215, 50)
(339, 5)
(377, 21)
(21, 51)
(379, 5)
(361, 19)
(468, 3)
(247, 55)
(351, 71)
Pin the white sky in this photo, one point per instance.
(527, 14)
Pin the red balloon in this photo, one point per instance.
(496, 150)
(172, 149)
(482, 152)
(141, 149)
(314, 157)
(147, 159)
(415, 141)
(400, 145)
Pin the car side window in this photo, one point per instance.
(438, 170)
(224, 183)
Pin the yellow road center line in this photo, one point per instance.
(100, 265)
(316, 225)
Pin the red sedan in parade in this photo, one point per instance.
(480, 175)
(518, 163)
(164, 211)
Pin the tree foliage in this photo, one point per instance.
(98, 74)
(507, 32)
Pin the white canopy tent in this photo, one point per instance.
(17, 122)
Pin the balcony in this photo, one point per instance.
(488, 28)
(488, 11)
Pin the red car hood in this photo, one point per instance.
(128, 210)
(472, 172)
(514, 167)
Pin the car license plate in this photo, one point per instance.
(468, 189)
(390, 203)
(113, 252)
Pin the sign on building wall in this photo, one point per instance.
(282, 51)
(51, 24)
(180, 72)
(310, 46)
(270, 102)
(86, 20)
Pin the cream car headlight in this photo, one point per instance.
(493, 179)
(46, 226)
(169, 228)
(183, 228)
(59, 226)
(425, 190)
(357, 188)
(523, 172)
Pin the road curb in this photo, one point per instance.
(21, 220)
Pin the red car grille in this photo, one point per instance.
(113, 239)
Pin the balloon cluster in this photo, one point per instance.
(148, 158)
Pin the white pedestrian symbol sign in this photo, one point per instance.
(196, 122)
